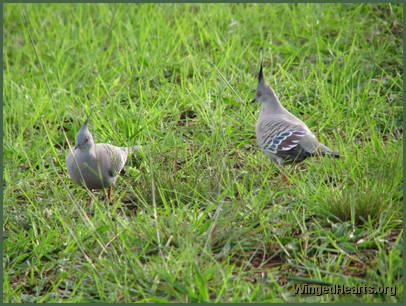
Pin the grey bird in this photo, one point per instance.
(281, 135)
(95, 165)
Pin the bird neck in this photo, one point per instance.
(90, 148)
(272, 106)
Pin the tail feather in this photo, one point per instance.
(326, 151)
(331, 154)
(134, 148)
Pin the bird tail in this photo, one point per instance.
(326, 151)
(134, 148)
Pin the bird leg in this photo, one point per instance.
(284, 178)
(283, 175)
(109, 194)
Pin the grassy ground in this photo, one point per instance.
(200, 214)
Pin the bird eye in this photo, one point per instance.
(259, 93)
(87, 139)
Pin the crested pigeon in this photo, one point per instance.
(95, 165)
(281, 135)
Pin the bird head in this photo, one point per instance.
(264, 92)
(84, 140)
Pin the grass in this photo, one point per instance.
(200, 214)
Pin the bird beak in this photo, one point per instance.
(75, 147)
(254, 100)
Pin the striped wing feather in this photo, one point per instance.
(116, 158)
(284, 139)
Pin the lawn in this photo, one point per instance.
(200, 214)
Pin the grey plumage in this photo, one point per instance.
(95, 165)
(282, 136)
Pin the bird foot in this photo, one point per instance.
(109, 194)
(285, 179)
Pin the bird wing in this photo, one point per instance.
(112, 159)
(286, 139)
